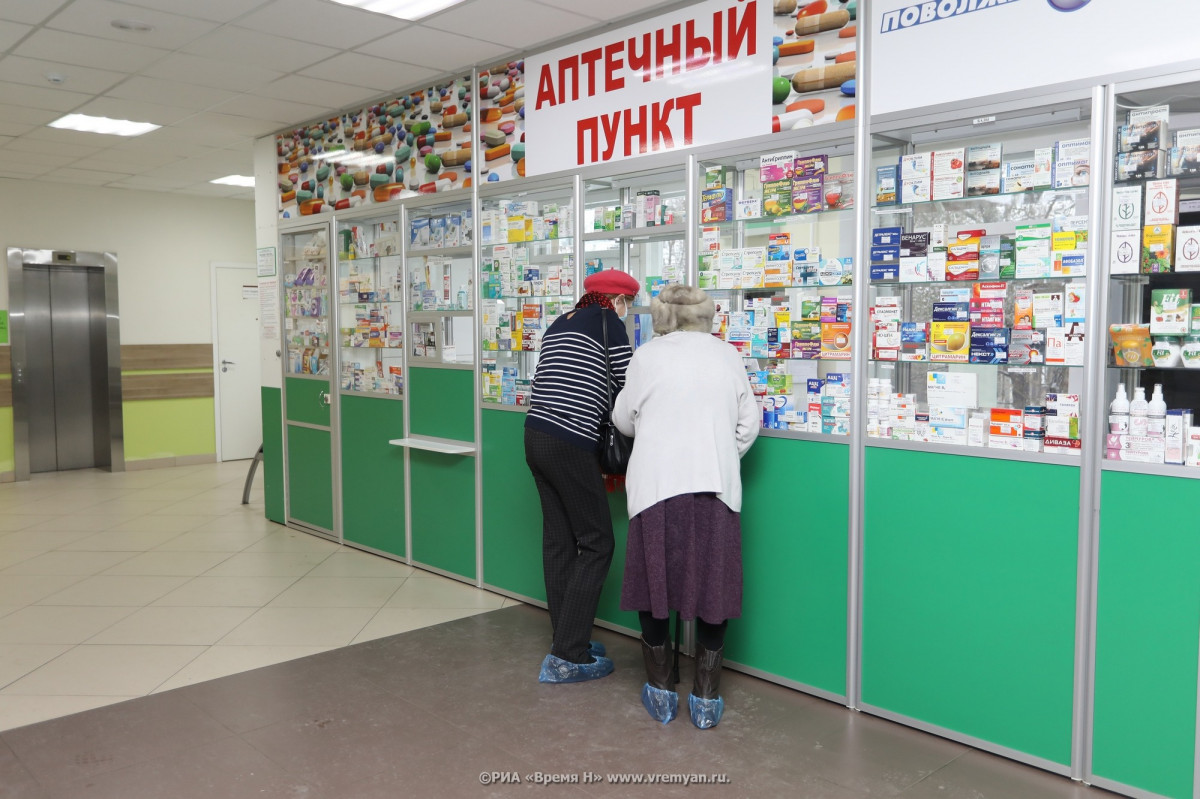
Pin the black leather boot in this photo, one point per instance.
(658, 694)
(705, 702)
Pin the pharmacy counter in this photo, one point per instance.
(1147, 630)
(969, 598)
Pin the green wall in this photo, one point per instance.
(373, 473)
(512, 513)
(304, 401)
(1147, 631)
(167, 428)
(795, 559)
(272, 465)
(443, 511)
(610, 597)
(969, 569)
(442, 403)
(7, 463)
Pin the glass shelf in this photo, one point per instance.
(896, 284)
(650, 233)
(978, 363)
(1195, 369)
(783, 219)
(465, 251)
(1040, 190)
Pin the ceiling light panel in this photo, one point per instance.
(401, 9)
(111, 127)
(235, 180)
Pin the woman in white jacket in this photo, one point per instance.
(687, 402)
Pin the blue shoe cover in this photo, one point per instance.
(706, 713)
(596, 649)
(662, 705)
(555, 669)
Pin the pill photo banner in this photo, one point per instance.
(692, 77)
(954, 50)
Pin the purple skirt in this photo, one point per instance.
(685, 554)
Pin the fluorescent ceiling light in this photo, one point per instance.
(235, 180)
(112, 127)
(402, 9)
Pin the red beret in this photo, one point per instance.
(611, 281)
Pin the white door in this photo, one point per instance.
(236, 356)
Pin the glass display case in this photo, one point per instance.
(528, 278)
(440, 272)
(978, 259)
(1152, 381)
(306, 308)
(777, 234)
(371, 305)
(637, 223)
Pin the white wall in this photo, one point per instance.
(164, 244)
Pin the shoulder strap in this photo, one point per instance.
(608, 379)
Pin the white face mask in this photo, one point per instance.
(624, 307)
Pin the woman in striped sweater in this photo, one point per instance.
(562, 442)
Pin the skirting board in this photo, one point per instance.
(8, 477)
(167, 463)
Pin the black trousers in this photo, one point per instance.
(577, 538)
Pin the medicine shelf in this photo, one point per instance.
(448, 252)
(1161, 469)
(769, 221)
(1183, 181)
(897, 284)
(1153, 368)
(652, 233)
(492, 405)
(1156, 277)
(350, 392)
(899, 208)
(425, 316)
(441, 445)
(384, 349)
(368, 259)
(351, 303)
(324, 378)
(799, 435)
(968, 363)
(975, 452)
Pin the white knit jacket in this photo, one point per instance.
(688, 405)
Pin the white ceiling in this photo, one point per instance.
(216, 74)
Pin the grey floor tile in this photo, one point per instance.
(16, 782)
(981, 775)
(113, 737)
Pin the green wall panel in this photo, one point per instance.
(794, 554)
(373, 473)
(310, 479)
(169, 428)
(304, 402)
(512, 512)
(1147, 623)
(610, 597)
(442, 403)
(272, 465)
(7, 456)
(969, 569)
(443, 511)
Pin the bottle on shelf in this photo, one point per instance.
(462, 296)
(1118, 412)
(1139, 413)
(1156, 413)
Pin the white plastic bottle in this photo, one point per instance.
(1139, 412)
(1157, 413)
(1118, 412)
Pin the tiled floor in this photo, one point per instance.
(115, 586)
(424, 713)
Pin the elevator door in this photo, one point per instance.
(61, 308)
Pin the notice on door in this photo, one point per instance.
(266, 262)
(268, 307)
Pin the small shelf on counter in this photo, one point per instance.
(441, 445)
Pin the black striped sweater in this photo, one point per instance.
(569, 399)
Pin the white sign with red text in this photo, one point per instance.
(697, 76)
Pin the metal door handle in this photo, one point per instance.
(228, 363)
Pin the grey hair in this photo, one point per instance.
(679, 307)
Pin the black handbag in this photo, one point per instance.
(615, 446)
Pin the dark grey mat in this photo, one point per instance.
(424, 713)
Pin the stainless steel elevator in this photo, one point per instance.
(65, 360)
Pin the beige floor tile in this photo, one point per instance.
(211, 540)
(17, 660)
(25, 589)
(106, 671)
(267, 564)
(221, 661)
(11, 522)
(12, 557)
(188, 507)
(173, 626)
(175, 524)
(293, 541)
(300, 627)
(393, 621)
(7, 609)
(46, 624)
(128, 541)
(186, 564)
(162, 493)
(69, 562)
(351, 563)
(442, 593)
(41, 540)
(205, 591)
(239, 522)
(81, 522)
(338, 592)
(110, 590)
(17, 711)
